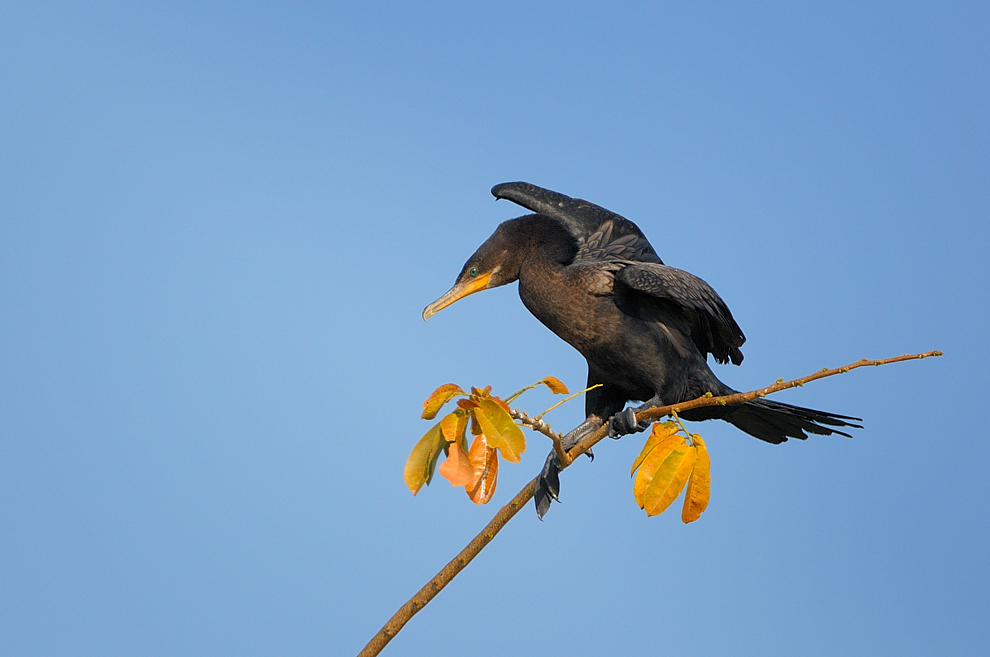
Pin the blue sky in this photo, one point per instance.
(219, 224)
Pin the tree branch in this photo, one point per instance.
(537, 424)
(478, 543)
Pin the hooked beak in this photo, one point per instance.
(459, 291)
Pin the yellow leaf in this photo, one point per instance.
(500, 431)
(556, 386)
(453, 426)
(423, 459)
(484, 460)
(661, 430)
(669, 480)
(699, 485)
(653, 461)
(457, 468)
(440, 396)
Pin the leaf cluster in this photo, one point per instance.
(670, 459)
(488, 419)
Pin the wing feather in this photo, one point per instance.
(713, 328)
(615, 249)
(601, 233)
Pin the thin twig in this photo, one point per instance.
(477, 544)
(537, 424)
(567, 399)
(738, 398)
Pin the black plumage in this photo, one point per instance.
(646, 329)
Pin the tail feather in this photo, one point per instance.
(775, 422)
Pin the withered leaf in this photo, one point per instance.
(484, 460)
(556, 385)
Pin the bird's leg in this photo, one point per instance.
(548, 485)
(625, 422)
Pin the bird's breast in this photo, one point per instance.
(576, 305)
(638, 354)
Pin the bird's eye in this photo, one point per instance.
(473, 271)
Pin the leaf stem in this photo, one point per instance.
(567, 399)
(516, 394)
(677, 419)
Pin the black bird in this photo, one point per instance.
(646, 329)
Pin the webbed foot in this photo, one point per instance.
(548, 483)
(547, 486)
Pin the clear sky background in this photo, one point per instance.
(219, 224)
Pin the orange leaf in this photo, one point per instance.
(653, 461)
(457, 468)
(484, 459)
(453, 426)
(699, 485)
(423, 459)
(480, 394)
(467, 403)
(661, 430)
(440, 396)
(669, 480)
(555, 385)
(499, 429)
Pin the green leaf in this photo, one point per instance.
(423, 459)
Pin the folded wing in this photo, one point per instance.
(713, 328)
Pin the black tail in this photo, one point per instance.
(775, 422)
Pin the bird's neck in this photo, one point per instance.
(553, 291)
(543, 243)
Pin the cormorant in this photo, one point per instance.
(646, 329)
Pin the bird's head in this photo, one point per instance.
(515, 244)
(495, 263)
